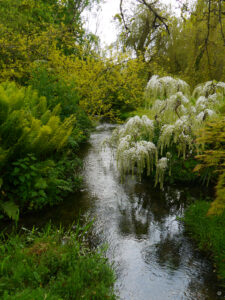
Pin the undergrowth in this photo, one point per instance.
(53, 265)
(209, 232)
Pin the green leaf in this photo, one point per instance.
(1, 182)
(37, 277)
(22, 178)
(10, 209)
(16, 171)
(23, 166)
(41, 184)
(33, 168)
(34, 194)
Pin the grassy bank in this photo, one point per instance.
(53, 265)
(209, 232)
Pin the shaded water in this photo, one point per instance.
(153, 258)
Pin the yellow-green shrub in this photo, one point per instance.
(34, 149)
(212, 139)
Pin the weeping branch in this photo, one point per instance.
(123, 17)
(157, 16)
(220, 20)
(205, 46)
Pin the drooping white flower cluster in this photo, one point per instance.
(209, 88)
(164, 109)
(164, 87)
(137, 127)
(180, 104)
(141, 155)
(161, 167)
(132, 150)
(177, 117)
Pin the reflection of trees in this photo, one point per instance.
(135, 217)
(171, 252)
(145, 205)
(175, 255)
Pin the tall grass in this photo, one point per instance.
(209, 232)
(53, 264)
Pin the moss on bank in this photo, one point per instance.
(209, 232)
(53, 265)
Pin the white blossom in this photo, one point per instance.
(165, 87)
(161, 167)
(210, 112)
(162, 163)
(200, 116)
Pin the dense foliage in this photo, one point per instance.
(53, 264)
(37, 163)
(212, 139)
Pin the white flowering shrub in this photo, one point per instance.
(209, 88)
(141, 155)
(132, 149)
(151, 144)
(164, 87)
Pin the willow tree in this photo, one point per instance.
(142, 27)
(195, 48)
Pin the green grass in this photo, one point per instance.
(53, 265)
(209, 232)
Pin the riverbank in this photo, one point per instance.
(52, 265)
(209, 233)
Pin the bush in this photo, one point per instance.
(37, 160)
(212, 140)
(50, 85)
(57, 91)
(163, 142)
(53, 264)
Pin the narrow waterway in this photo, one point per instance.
(153, 258)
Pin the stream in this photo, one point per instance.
(154, 259)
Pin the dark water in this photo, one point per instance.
(153, 258)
